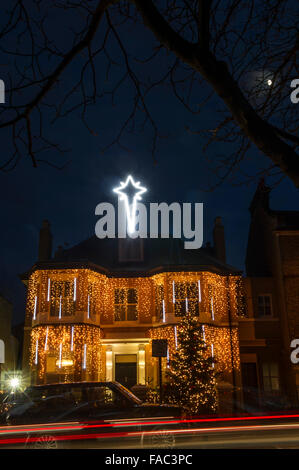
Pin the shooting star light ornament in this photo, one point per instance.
(130, 208)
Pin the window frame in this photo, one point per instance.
(70, 297)
(258, 306)
(179, 300)
(270, 377)
(126, 304)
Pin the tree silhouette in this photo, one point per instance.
(234, 56)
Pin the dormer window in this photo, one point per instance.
(130, 250)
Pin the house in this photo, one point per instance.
(272, 304)
(93, 309)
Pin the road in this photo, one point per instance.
(269, 432)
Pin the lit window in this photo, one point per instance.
(271, 377)
(186, 298)
(62, 298)
(125, 304)
(264, 305)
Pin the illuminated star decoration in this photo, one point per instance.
(130, 208)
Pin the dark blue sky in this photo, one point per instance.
(68, 197)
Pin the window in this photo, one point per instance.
(125, 304)
(271, 377)
(62, 298)
(264, 305)
(186, 298)
(130, 250)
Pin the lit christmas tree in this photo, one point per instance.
(192, 381)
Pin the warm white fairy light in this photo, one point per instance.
(130, 208)
(60, 355)
(75, 288)
(84, 356)
(173, 292)
(35, 305)
(49, 288)
(199, 291)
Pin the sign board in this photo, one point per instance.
(2, 352)
(159, 348)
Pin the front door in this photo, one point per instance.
(126, 369)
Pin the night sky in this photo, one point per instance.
(68, 197)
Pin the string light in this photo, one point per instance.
(72, 338)
(35, 304)
(49, 287)
(212, 309)
(36, 352)
(60, 305)
(60, 355)
(199, 291)
(95, 297)
(84, 356)
(46, 340)
(75, 288)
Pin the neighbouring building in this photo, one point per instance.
(272, 304)
(93, 310)
(8, 344)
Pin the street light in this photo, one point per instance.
(14, 382)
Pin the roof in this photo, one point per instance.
(159, 255)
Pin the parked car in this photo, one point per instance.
(98, 407)
(9, 401)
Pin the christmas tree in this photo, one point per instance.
(192, 381)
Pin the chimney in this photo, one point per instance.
(219, 240)
(45, 242)
(261, 197)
